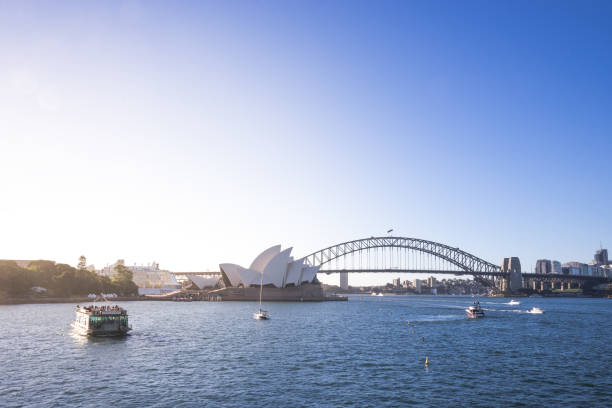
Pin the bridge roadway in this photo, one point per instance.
(473, 273)
(396, 270)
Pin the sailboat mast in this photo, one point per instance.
(260, 289)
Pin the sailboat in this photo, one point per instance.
(261, 314)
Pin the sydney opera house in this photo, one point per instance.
(283, 278)
(277, 269)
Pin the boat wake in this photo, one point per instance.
(513, 302)
(534, 310)
(439, 318)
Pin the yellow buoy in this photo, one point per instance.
(422, 338)
(426, 360)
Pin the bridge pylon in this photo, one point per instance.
(512, 279)
(344, 280)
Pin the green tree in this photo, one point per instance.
(13, 280)
(65, 281)
(82, 265)
(123, 281)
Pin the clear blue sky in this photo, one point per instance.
(195, 133)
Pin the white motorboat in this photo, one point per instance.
(513, 302)
(474, 311)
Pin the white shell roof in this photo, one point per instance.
(277, 266)
(262, 259)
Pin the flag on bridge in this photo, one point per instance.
(390, 231)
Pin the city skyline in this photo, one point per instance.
(202, 132)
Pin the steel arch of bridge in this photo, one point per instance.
(467, 262)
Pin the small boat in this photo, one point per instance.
(261, 314)
(104, 321)
(513, 302)
(474, 311)
(535, 310)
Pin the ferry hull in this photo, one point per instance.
(100, 333)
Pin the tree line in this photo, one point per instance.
(62, 280)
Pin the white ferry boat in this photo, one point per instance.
(474, 311)
(101, 321)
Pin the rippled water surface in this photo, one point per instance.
(357, 353)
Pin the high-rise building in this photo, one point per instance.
(577, 268)
(573, 268)
(601, 257)
(543, 266)
(556, 267)
(396, 283)
(431, 282)
(417, 285)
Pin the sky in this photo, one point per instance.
(198, 133)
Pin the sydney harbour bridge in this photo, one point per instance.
(414, 255)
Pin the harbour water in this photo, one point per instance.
(369, 351)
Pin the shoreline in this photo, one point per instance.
(75, 300)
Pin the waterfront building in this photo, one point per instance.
(396, 283)
(595, 270)
(581, 268)
(417, 285)
(431, 282)
(556, 267)
(278, 268)
(149, 278)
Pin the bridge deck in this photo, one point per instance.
(473, 273)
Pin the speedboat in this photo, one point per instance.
(261, 315)
(474, 311)
(535, 310)
(513, 302)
